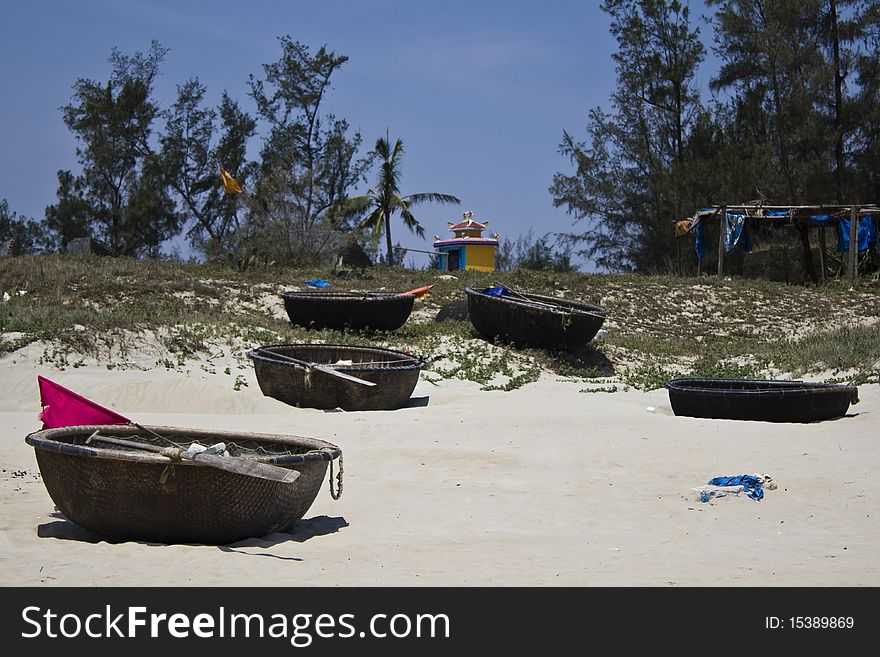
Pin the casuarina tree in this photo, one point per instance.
(309, 158)
(631, 177)
(121, 189)
(192, 154)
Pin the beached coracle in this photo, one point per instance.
(377, 311)
(534, 320)
(287, 372)
(771, 401)
(128, 494)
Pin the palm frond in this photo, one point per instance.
(354, 207)
(411, 222)
(382, 149)
(374, 223)
(374, 219)
(432, 197)
(398, 151)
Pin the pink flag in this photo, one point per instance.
(64, 408)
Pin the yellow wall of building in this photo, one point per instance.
(480, 258)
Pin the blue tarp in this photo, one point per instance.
(752, 486)
(699, 245)
(317, 282)
(497, 291)
(736, 233)
(867, 234)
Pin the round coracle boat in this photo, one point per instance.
(527, 319)
(767, 400)
(320, 375)
(129, 494)
(376, 311)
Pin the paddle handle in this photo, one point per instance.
(341, 375)
(97, 437)
(319, 367)
(556, 308)
(246, 467)
(852, 382)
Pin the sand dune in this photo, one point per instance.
(543, 485)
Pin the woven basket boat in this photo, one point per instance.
(377, 311)
(117, 492)
(771, 401)
(394, 373)
(536, 321)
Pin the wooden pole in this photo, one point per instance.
(853, 254)
(678, 271)
(721, 230)
(823, 255)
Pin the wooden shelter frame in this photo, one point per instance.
(795, 214)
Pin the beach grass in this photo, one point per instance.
(87, 308)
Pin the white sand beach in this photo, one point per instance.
(543, 486)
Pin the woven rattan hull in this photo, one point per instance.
(377, 311)
(770, 401)
(120, 497)
(526, 325)
(295, 385)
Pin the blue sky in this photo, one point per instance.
(480, 92)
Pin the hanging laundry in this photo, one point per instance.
(867, 235)
(700, 245)
(682, 227)
(735, 232)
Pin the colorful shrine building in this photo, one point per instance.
(468, 249)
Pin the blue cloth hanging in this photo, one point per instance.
(735, 232)
(699, 245)
(867, 234)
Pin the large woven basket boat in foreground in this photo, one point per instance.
(294, 382)
(771, 401)
(534, 320)
(377, 311)
(125, 494)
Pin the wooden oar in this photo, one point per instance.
(522, 297)
(246, 467)
(852, 381)
(316, 366)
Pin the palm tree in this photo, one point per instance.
(383, 201)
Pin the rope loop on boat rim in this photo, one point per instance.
(338, 492)
(172, 453)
